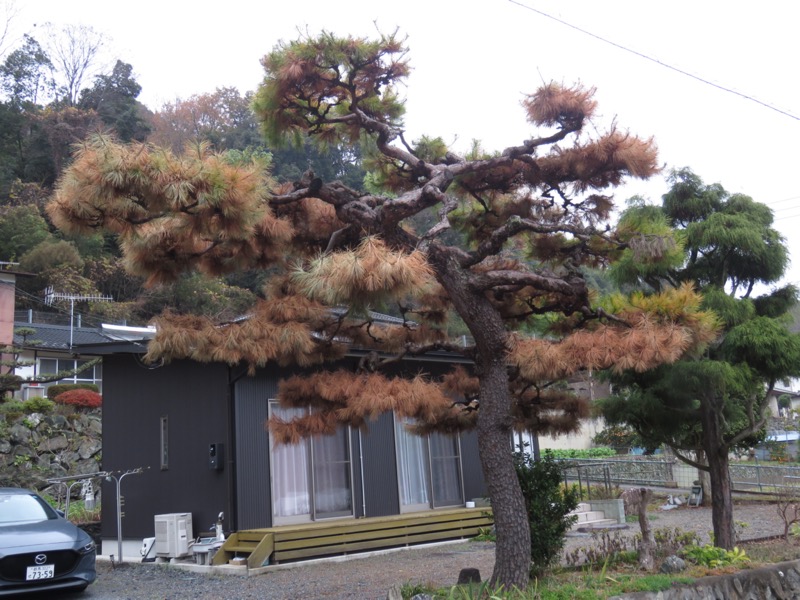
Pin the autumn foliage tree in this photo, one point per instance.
(491, 242)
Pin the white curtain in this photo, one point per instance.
(445, 470)
(332, 492)
(412, 459)
(291, 491)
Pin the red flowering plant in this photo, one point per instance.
(83, 398)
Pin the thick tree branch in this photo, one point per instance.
(688, 460)
(549, 282)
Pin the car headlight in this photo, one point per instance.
(87, 548)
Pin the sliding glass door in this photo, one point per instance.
(429, 469)
(311, 479)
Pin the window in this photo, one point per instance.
(311, 479)
(429, 469)
(93, 374)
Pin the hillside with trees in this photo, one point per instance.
(49, 104)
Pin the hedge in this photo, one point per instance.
(60, 388)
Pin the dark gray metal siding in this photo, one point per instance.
(382, 496)
(195, 399)
(253, 493)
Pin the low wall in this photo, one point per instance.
(37, 447)
(776, 581)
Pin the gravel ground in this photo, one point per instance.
(371, 577)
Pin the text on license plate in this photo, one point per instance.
(40, 572)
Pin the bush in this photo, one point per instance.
(38, 405)
(571, 453)
(84, 398)
(60, 388)
(713, 557)
(548, 505)
(12, 407)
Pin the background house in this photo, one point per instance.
(52, 348)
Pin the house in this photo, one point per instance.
(51, 348)
(790, 399)
(193, 439)
(54, 348)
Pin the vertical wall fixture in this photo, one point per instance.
(164, 448)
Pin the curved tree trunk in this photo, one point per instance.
(721, 488)
(513, 548)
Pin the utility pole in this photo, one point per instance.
(50, 296)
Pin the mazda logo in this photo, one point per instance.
(40, 559)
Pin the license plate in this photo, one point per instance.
(40, 572)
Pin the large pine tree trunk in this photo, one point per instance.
(513, 549)
(721, 488)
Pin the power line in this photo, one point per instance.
(780, 201)
(655, 60)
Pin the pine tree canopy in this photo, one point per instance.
(489, 244)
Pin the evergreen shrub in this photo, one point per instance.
(548, 504)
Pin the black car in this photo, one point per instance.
(39, 549)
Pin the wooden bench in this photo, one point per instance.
(347, 536)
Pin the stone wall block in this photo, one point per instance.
(88, 448)
(19, 434)
(53, 444)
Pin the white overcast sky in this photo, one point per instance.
(474, 60)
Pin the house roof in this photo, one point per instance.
(118, 339)
(57, 337)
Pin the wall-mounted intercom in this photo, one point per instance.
(216, 456)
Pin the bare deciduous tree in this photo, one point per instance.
(74, 51)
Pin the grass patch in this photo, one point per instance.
(603, 581)
(568, 584)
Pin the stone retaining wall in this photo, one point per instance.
(38, 447)
(780, 581)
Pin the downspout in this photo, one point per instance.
(230, 453)
(361, 467)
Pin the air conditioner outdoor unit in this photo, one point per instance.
(173, 534)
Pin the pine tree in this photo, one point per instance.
(707, 404)
(491, 245)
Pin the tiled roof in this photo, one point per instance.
(57, 337)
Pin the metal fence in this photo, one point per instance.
(639, 471)
(765, 478)
(647, 471)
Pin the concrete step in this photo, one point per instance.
(590, 516)
(592, 520)
(601, 525)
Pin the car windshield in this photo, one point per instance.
(24, 507)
